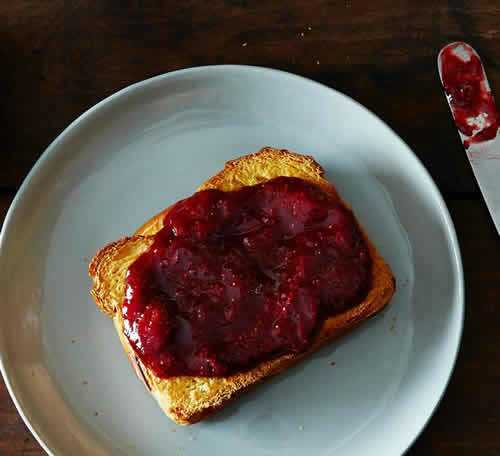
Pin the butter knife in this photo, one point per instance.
(475, 115)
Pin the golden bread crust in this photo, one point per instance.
(188, 399)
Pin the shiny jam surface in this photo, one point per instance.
(235, 278)
(471, 101)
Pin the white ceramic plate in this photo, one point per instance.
(147, 146)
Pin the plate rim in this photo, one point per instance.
(47, 155)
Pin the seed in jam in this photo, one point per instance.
(235, 278)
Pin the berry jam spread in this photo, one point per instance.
(470, 97)
(234, 278)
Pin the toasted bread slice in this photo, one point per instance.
(187, 399)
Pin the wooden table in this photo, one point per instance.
(61, 57)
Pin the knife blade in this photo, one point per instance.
(475, 115)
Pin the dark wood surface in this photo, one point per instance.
(60, 57)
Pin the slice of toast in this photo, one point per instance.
(187, 399)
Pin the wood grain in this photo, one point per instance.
(60, 57)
